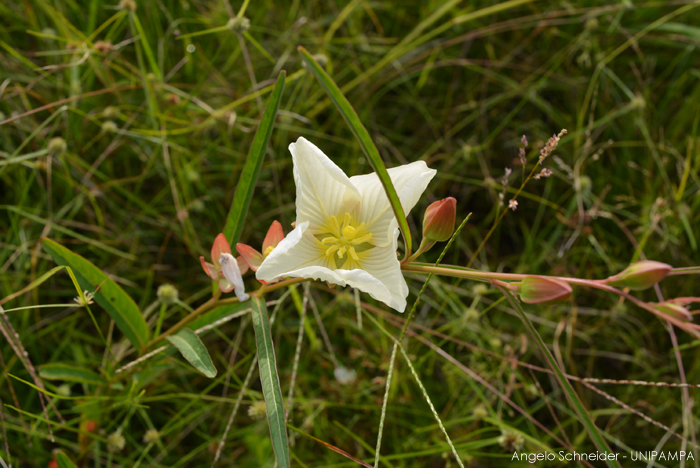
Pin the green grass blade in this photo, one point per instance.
(118, 304)
(270, 381)
(192, 349)
(69, 373)
(569, 391)
(146, 46)
(246, 183)
(251, 170)
(63, 461)
(366, 143)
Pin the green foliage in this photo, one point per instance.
(159, 109)
(192, 349)
(107, 293)
(270, 381)
(69, 373)
(251, 170)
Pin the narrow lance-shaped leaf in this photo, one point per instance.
(569, 391)
(366, 143)
(118, 304)
(246, 182)
(192, 349)
(270, 381)
(63, 461)
(69, 373)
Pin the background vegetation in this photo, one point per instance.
(158, 107)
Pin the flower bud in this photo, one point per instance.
(258, 410)
(439, 220)
(238, 25)
(115, 442)
(57, 146)
(541, 290)
(151, 436)
(674, 310)
(168, 294)
(640, 275)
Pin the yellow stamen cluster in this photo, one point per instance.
(344, 238)
(268, 251)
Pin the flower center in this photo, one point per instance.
(343, 241)
(268, 251)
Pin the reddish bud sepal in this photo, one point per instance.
(254, 258)
(542, 290)
(439, 220)
(640, 275)
(674, 310)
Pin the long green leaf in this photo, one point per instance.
(270, 381)
(569, 391)
(69, 373)
(246, 183)
(366, 143)
(118, 304)
(63, 461)
(192, 349)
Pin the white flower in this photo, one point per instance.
(346, 232)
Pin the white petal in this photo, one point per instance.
(229, 267)
(384, 266)
(323, 189)
(299, 256)
(295, 251)
(410, 181)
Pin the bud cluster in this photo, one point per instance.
(551, 145)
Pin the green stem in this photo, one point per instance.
(213, 302)
(464, 273)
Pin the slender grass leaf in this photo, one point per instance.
(63, 461)
(270, 381)
(69, 373)
(569, 391)
(246, 183)
(108, 294)
(192, 349)
(366, 143)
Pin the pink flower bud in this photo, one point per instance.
(640, 275)
(439, 220)
(674, 310)
(541, 290)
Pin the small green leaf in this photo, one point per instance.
(63, 461)
(192, 349)
(270, 381)
(366, 143)
(246, 182)
(569, 391)
(118, 304)
(69, 373)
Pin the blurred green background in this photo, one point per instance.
(158, 104)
